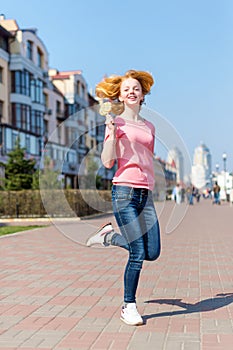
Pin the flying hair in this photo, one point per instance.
(109, 88)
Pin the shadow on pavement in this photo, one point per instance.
(220, 300)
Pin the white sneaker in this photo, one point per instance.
(130, 315)
(99, 236)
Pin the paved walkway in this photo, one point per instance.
(58, 294)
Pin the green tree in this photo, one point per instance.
(18, 170)
(36, 180)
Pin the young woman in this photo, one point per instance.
(129, 140)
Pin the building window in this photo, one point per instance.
(32, 89)
(4, 44)
(21, 116)
(29, 49)
(27, 78)
(46, 129)
(16, 82)
(58, 106)
(70, 109)
(83, 91)
(20, 82)
(33, 122)
(37, 122)
(46, 100)
(26, 119)
(37, 91)
(14, 140)
(78, 87)
(1, 111)
(1, 74)
(39, 58)
(28, 144)
(1, 145)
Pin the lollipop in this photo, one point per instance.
(105, 108)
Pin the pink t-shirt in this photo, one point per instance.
(134, 149)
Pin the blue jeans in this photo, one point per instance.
(217, 198)
(140, 234)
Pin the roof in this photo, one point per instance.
(60, 76)
(71, 72)
(65, 74)
(5, 32)
(9, 24)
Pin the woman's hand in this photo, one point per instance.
(110, 123)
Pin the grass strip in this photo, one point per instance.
(7, 230)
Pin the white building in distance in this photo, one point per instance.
(201, 169)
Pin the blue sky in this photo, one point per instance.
(186, 45)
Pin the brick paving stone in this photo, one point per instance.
(192, 346)
(7, 322)
(79, 340)
(15, 338)
(59, 295)
(45, 339)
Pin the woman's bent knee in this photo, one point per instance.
(153, 255)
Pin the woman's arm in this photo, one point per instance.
(108, 154)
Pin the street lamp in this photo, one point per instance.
(217, 168)
(224, 158)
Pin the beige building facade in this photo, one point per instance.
(4, 74)
(49, 111)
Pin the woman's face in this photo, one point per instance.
(131, 92)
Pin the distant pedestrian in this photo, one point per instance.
(129, 140)
(177, 194)
(173, 197)
(197, 194)
(189, 195)
(216, 191)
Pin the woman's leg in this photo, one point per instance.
(150, 230)
(126, 205)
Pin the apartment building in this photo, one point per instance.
(49, 111)
(23, 105)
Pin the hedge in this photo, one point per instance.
(55, 203)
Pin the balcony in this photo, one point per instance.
(60, 115)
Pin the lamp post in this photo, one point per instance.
(224, 158)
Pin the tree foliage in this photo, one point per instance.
(18, 170)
